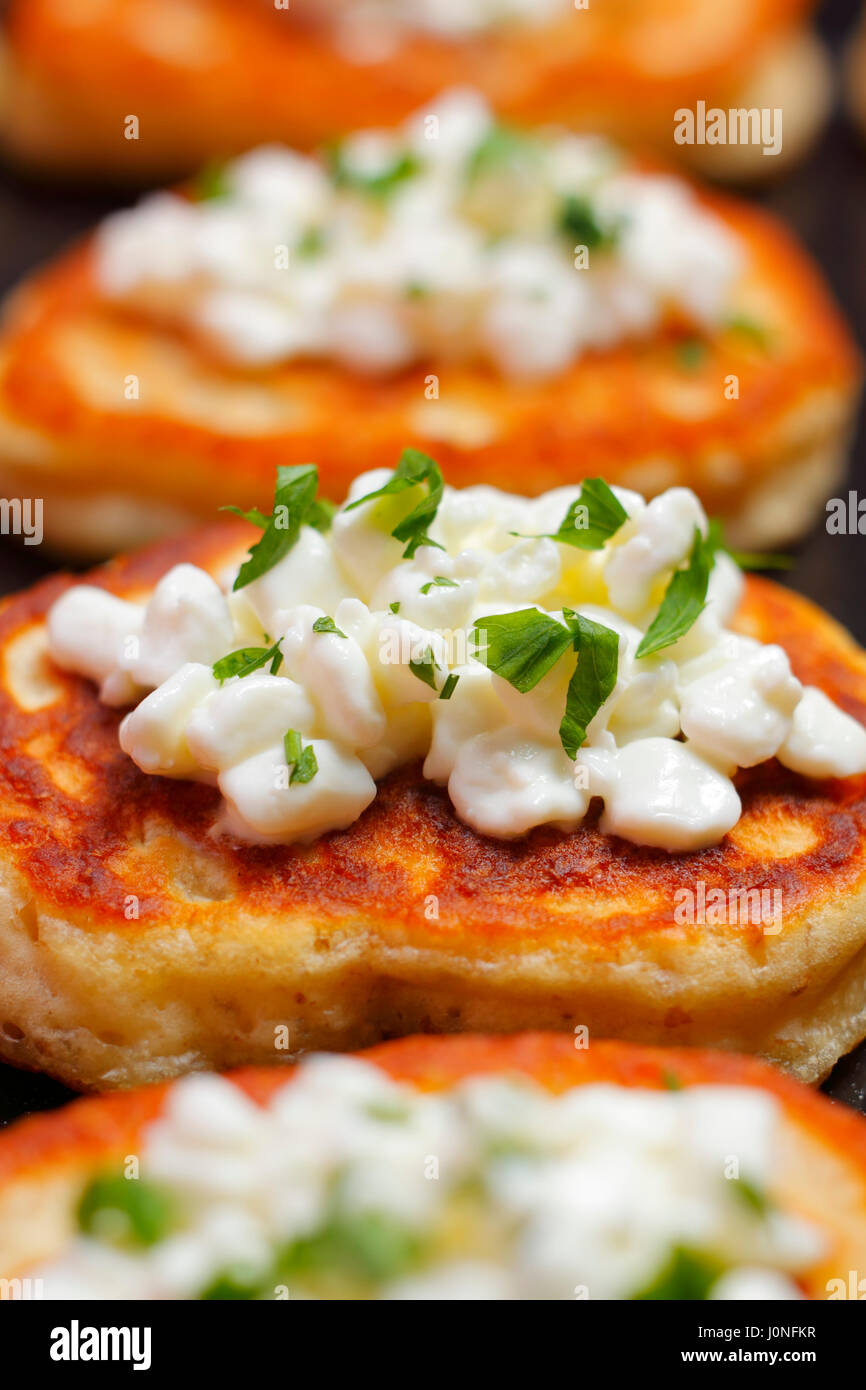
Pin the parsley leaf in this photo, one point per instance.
(593, 680)
(311, 243)
(684, 600)
(403, 166)
(125, 1211)
(449, 687)
(246, 660)
(578, 220)
(691, 352)
(321, 514)
(522, 646)
(751, 1195)
(424, 667)
(688, 1274)
(440, 582)
(327, 625)
(212, 181)
(595, 516)
(747, 328)
(414, 468)
(294, 503)
(394, 607)
(502, 147)
(299, 757)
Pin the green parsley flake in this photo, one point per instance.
(413, 470)
(300, 757)
(246, 660)
(327, 625)
(440, 582)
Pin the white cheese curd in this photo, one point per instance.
(504, 785)
(154, 734)
(187, 618)
(246, 716)
(447, 239)
(263, 805)
(660, 538)
(823, 740)
(737, 701)
(658, 792)
(532, 1195)
(372, 654)
(91, 631)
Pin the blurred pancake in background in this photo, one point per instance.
(532, 309)
(215, 77)
(444, 1168)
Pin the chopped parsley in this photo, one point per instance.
(295, 503)
(595, 516)
(523, 646)
(327, 625)
(449, 687)
(578, 220)
(593, 680)
(413, 470)
(691, 353)
(380, 184)
(124, 1211)
(684, 599)
(440, 582)
(300, 758)
(246, 660)
(424, 667)
(687, 1274)
(212, 181)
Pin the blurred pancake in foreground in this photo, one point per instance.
(258, 846)
(444, 1168)
(205, 78)
(530, 309)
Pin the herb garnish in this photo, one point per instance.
(449, 687)
(578, 220)
(301, 758)
(403, 166)
(593, 680)
(595, 516)
(414, 468)
(327, 625)
(523, 646)
(440, 582)
(295, 503)
(246, 660)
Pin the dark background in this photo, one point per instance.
(824, 199)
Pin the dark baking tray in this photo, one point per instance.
(824, 200)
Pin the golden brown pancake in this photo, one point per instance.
(212, 77)
(113, 471)
(134, 945)
(821, 1175)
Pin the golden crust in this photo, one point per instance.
(821, 1172)
(228, 75)
(408, 921)
(202, 432)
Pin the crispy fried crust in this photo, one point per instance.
(134, 945)
(821, 1174)
(227, 74)
(201, 433)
